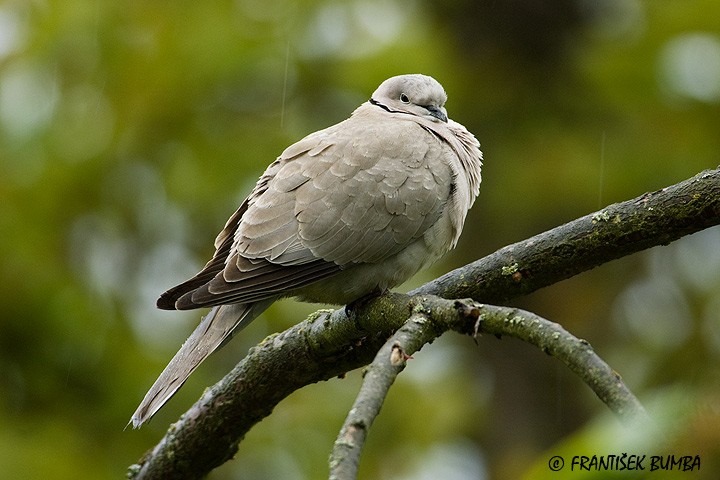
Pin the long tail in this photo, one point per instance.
(216, 328)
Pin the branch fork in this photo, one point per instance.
(333, 343)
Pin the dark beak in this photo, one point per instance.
(438, 112)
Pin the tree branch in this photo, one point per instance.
(618, 230)
(575, 353)
(431, 318)
(330, 344)
(378, 378)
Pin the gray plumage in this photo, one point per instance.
(351, 210)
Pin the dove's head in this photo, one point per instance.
(415, 94)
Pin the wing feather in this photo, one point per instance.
(347, 195)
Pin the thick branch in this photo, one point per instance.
(618, 230)
(322, 347)
(208, 434)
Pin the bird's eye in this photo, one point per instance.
(404, 98)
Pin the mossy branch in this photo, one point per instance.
(431, 317)
(379, 376)
(618, 230)
(332, 344)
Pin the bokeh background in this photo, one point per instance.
(130, 131)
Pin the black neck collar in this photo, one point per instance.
(378, 104)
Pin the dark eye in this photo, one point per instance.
(404, 98)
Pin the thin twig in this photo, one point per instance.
(432, 317)
(577, 354)
(378, 378)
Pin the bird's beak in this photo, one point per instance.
(438, 112)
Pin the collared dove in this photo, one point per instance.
(346, 212)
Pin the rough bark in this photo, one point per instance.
(330, 344)
(431, 317)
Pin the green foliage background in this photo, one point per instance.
(129, 132)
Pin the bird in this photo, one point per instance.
(345, 213)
